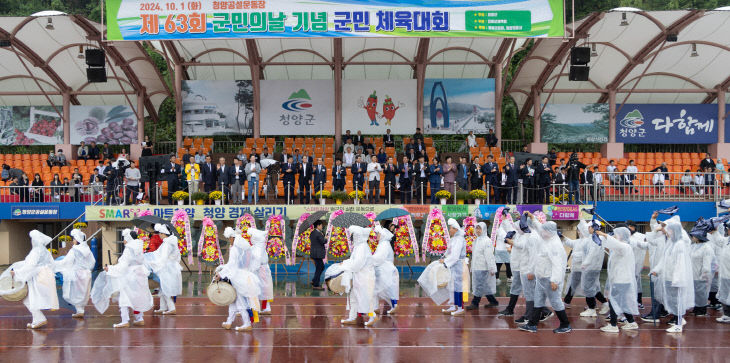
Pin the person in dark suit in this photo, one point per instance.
(358, 139)
(462, 174)
(418, 135)
(305, 180)
(339, 173)
(559, 176)
(542, 179)
(434, 178)
(491, 139)
(419, 147)
(390, 170)
(223, 176)
(170, 172)
(284, 158)
(707, 163)
(421, 179)
(475, 174)
(493, 176)
(511, 185)
(317, 254)
(411, 153)
(527, 174)
(359, 168)
(208, 174)
(320, 176)
(289, 169)
(405, 172)
(586, 177)
(388, 139)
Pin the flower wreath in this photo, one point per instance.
(406, 244)
(243, 223)
(141, 233)
(373, 237)
(339, 240)
(209, 251)
(499, 218)
(275, 237)
(181, 222)
(301, 243)
(470, 234)
(436, 238)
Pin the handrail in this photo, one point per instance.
(75, 220)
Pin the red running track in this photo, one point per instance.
(309, 329)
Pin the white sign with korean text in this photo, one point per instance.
(297, 107)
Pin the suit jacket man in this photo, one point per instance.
(476, 173)
(491, 139)
(223, 175)
(358, 139)
(170, 172)
(339, 173)
(305, 181)
(317, 250)
(388, 140)
(586, 177)
(284, 158)
(320, 177)
(560, 179)
(289, 170)
(462, 176)
(358, 174)
(208, 174)
(390, 170)
(491, 174)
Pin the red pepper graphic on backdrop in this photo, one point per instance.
(371, 107)
(389, 109)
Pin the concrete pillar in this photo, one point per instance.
(337, 75)
(722, 148)
(420, 81)
(178, 107)
(498, 95)
(536, 146)
(135, 149)
(612, 149)
(66, 117)
(256, 83)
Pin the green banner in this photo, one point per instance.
(162, 20)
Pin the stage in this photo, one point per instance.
(309, 329)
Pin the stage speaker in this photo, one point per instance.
(580, 55)
(578, 73)
(94, 57)
(96, 74)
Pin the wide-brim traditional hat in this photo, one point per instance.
(221, 293)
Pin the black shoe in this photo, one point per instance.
(561, 330)
(663, 314)
(472, 307)
(717, 306)
(318, 288)
(491, 305)
(546, 316)
(506, 312)
(522, 320)
(641, 306)
(528, 328)
(649, 318)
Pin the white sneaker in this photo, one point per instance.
(723, 319)
(349, 321)
(608, 328)
(684, 322)
(449, 310)
(393, 310)
(630, 326)
(458, 312)
(604, 309)
(675, 329)
(372, 320)
(590, 313)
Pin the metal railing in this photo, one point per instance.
(51, 194)
(512, 145)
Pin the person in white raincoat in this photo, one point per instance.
(718, 239)
(549, 267)
(387, 278)
(516, 265)
(359, 279)
(129, 278)
(621, 282)
(165, 263)
(578, 246)
(455, 260)
(723, 293)
(36, 270)
(523, 254)
(702, 254)
(674, 271)
(656, 239)
(593, 257)
(259, 266)
(501, 254)
(639, 256)
(76, 268)
(244, 281)
(484, 269)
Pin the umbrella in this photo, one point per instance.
(669, 211)
(147, 223)
(392, 213)
(310, 220)
(351, 219)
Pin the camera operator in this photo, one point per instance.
(573, 177)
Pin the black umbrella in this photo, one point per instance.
(351, 219)
(147, 223)
(392, 213)
(310, 220)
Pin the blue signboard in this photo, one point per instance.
(641, 211)
(33, 212)
(667, 124)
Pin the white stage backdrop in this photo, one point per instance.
(112, 124)
(298, 107)
(373, 106)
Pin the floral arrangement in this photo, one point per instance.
(339, 195)
(181, 222)
(180, 195)
(215, 195)
(199, 196)
(373, 237)
(443, 194)
(209, 251)
(301, 243)
(243, 223)
(499, 218)
(53, 251)
(478, 194)
(142, 234)
(436, 237)
(80, 225)
(356, 194)
(275, 237)
(470, 234)
(323, 194)
(65, 238)
(462, 195)
(405, 244)
(339, 242)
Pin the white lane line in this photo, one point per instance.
(156, 346)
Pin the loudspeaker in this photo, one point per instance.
(95, 57)
(578, 73)
(580, 55)
(96, 74)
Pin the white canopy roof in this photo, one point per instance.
(630, 51)
(46, 51)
